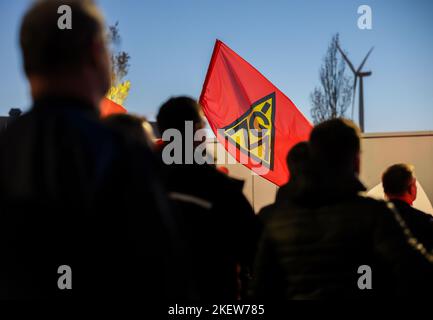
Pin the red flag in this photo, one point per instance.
(109, 107)
(256, 122)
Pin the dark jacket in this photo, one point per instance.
(420, 223)
(311, 248)
(285, 193)
(221, 227)
(74, 193)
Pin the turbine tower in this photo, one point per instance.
(358, 74)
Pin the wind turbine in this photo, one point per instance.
(358, 74)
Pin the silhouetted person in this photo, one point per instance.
(133, 127)
(399, 185)
(72, 191)
(218, 220)
(298, 162)
(313, 248)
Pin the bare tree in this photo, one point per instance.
(119, 67)
(332, 98)
(119, 59)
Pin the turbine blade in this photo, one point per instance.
(365, 59)
(346, 59)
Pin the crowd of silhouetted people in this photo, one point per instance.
(94, 194)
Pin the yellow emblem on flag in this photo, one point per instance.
(253, 133)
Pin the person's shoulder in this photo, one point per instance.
(407, 210)
(375, 205)
(420, 213)
(217, 177)
(367, 208)
(266, 212)
(423, 214)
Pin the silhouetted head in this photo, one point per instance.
(335, 146)
(136, 129)
(399, 182)
(298, 160)
(15, 112)
(176, 111)
(63, 61)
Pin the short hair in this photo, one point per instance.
(335, 143)
(175, 111)
(397, 178)
(130, 126)
(46, 49)
(298, 159)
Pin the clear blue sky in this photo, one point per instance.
(170, 43)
